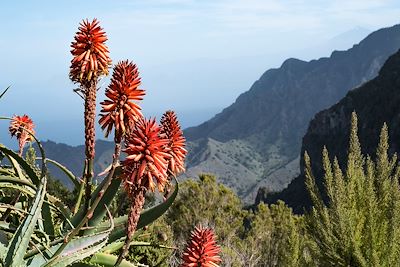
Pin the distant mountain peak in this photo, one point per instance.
(292, 62)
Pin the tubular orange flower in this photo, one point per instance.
(91, 55)
(120, 109)
(202, 249)
(172, 130)
(19, 127)
(147, 157)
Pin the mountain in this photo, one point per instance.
(256, 141)
(375, 102)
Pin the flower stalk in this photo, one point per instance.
(90, 62)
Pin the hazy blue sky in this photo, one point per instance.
(194, 56)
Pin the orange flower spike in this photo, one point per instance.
(147, 156)
(22, 127)
(119, 109)
(202, 249)
(90, 54)
(144, 168)
(172, 130)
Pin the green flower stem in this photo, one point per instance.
(88, 181)
(81, 190)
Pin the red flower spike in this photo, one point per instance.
(172, 130)
(90, 54)
(146, 163)
(119, 109)
(202, 249)
(22, 127)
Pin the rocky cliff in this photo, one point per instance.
(375, 102)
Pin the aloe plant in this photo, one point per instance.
(25, 241)
(37, 228)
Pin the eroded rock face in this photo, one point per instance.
(375, 103)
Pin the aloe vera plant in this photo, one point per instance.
(37, 228)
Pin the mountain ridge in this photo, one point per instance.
(272, 116)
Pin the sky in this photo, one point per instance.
(195, 57)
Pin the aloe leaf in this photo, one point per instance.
(3, 249)
(19, 243)
(6, 171)
(51, 203)
(25, 166)
(119, 229)
(100, 212)
(105, 201)
(66, 212)
(15, 180)
(77, 255)
(17, 168)
(76, 249)
(109, 260)
(65, 170)
(2, 94)
(48, 223)
(18, 187)
(85, 264)
(115, 246)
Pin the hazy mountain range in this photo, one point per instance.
(256, 141)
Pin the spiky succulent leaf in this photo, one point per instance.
(105, 201)
(24, 165)
(64, 210)
(17, 168)
(77, 255)
(20, 241)
(77, 249)
(109, 260)
(65, 170)
(117, 245)
(100, 212)
(18, 187)
(48, 224)
(15, 180)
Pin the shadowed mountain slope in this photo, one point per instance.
(375, 102)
